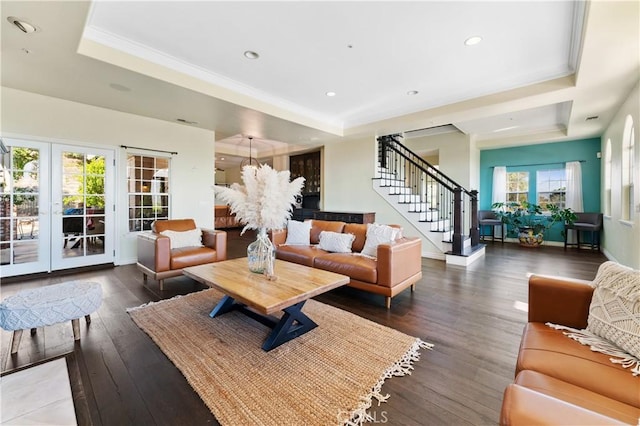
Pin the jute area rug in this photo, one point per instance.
(327, 376)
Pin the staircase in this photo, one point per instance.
(439, 208)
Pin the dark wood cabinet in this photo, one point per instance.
(349, 217)
(307, 166)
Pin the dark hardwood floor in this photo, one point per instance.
(471, 315)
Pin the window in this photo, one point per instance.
(148, 189)
(628, 148)
(607, 178)
(517, 187)
(551, 188)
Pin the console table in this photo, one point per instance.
(350, 217)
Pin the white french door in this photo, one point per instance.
(57, 207)
(24, 208)
(82, 206)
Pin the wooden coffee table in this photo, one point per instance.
(256, 296)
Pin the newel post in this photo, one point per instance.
(475, 230)
(457, 221)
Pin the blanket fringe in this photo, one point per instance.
(402, 367)
(598, 344)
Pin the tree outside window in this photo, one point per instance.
(517, 187)
(148, 188)
(551, 188)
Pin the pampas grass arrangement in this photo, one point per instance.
(266, 199)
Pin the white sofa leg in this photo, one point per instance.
(387, 302)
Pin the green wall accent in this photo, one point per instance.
(531, 158)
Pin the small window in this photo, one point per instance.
(517, 187)
(628, 154)
(607, 178)
(148, 190)
(551, 188)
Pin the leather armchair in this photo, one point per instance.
(158, 260)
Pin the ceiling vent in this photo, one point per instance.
(431, 131)
(593, 117)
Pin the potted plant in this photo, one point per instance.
(528, 222)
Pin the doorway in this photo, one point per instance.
(57, 207)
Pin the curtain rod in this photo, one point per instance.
(148, 149)
(540, 164)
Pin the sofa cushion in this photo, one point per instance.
(549, 351)
(317, 226)
(359, 230)
(524, 406)
(298, 233)
(336, 242)
(578, 396)
(192, 256)
(355, 266)
(179, 239)
(614, 313)
(378, 234)
(173, 224)
(303, 255)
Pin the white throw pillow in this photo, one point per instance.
(378, 234)
(614, 313)
(336, 242)
(298, 233)
(191, 238)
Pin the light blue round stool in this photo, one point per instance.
(52, 304)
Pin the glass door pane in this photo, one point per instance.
(82, 223)
(24, 199)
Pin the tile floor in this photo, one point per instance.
(39, 395)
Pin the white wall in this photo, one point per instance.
(45, 118)
(349, 166)
(459, 158)
(620, 238)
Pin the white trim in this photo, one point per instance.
(626, 222)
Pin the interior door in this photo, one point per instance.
(82, 206)
(24, 208)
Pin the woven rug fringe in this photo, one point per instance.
(402, 367)
(598, 344)
(135, 308)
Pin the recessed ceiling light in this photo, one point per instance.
(22, 25)
(473, 40)
(221, 158)
(412, 92)
(119, 87)
(330, 94)
(250, 54)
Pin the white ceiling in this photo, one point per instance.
(541, 69)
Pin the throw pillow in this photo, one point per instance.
(336, 242)
(378, 234)
(191, 238)
(614, 313)
(298, 233)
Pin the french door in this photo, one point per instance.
(57, 207)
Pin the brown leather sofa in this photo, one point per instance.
(398, 265)
(558, 380)
(158, 260)
(223, 218)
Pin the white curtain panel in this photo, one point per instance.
(499, 190)
(573, 170)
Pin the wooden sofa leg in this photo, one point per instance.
(387, 302)
(413, 287)
(15, 341)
